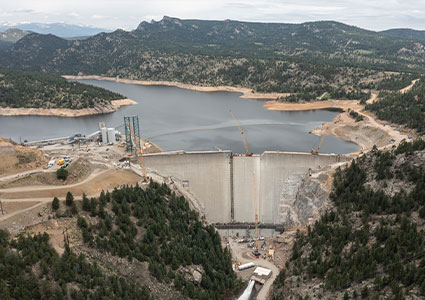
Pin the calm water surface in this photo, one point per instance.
(179, 119)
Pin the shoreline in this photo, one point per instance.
(316, 105)
(365, 134)
(247, 93)
(66, 112)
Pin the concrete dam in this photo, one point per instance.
(227, 186)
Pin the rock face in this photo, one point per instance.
(192, 273)
(197, 276)
(303, 199)
(288, 196)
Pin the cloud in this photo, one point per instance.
(98, 17)
(73, 14)
(23, 11)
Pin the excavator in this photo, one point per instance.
(316, 151)
(247, 153)
(140, 154)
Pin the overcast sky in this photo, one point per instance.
(127, 14)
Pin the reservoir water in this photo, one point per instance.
(179, 119)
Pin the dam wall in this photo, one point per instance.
(246, 182)
(228, 186)
(205, 174)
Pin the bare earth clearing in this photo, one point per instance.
(16, 159)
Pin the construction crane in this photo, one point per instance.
(247, 153)
(256, 237)
(316, 152)
(140, 153)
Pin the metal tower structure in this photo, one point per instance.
(131, 123)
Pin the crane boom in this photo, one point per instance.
(140, 153)
(242, 134)
(318, 147)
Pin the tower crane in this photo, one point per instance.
(256, 237)
(247, 153)
(316, 152)
(139, 153)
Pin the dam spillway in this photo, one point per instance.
(224, 184)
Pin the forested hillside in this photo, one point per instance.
(40, 90)
(132, 243)
(403, 108)
(406, 33)
(31, 269)
(371, 244)
(268, 57)
(156, 227)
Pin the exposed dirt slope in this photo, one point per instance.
(16, 158)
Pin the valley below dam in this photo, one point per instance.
(180, 119)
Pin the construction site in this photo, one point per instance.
(257, 202)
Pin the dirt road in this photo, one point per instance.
(409, 87)
(23, 174)
(92, 186)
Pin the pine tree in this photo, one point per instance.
(69, 199)
(55, 203)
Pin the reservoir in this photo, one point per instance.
(179, 119)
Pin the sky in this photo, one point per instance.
(127, 14)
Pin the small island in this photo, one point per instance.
(34, 93)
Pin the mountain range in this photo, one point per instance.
(59, 29)
(406, 33)
(280, 57)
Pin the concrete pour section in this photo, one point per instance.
(209, 176)
(246, 173)
(205, 174)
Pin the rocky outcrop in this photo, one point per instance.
(303, 199)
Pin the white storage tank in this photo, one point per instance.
(103, 131)
(246, 266)
(111, 136)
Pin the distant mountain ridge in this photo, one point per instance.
(313, 56)
(406, 33)
(59, 29)
(12, 35)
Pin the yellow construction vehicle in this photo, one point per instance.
(139, 153)
(247, 153)
(316, 152)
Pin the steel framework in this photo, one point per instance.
(132, 123)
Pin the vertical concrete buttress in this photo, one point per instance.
(232, 200)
